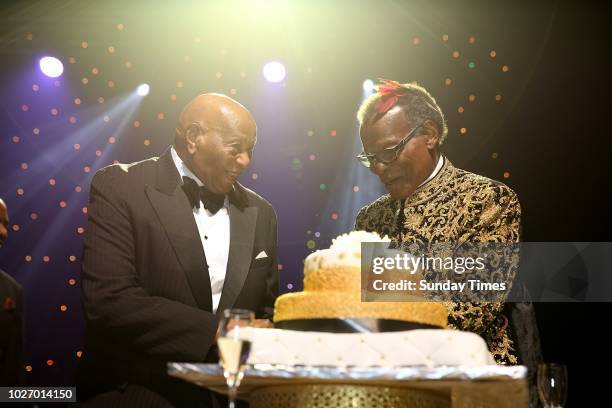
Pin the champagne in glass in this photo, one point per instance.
(234, 354)
(233, 348)
(552, 385)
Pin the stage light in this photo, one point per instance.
(274, 71)
(143, 90)
(368, 86)
(51, 66)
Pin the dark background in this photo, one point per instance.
(547, 138)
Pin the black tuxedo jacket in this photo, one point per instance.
(145, 285)
(11, 331)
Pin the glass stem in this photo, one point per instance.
(232, 397)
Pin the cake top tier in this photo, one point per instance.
(351, 242)
(345, 250)
(338, 267)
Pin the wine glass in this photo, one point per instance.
(233, 348)
(552, 384)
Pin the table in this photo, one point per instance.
(321, 387)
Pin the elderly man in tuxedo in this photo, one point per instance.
(171, 242)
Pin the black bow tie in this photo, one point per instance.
(212, 201)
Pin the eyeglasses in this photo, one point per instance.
(388, 155)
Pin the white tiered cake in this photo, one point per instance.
(332, 288)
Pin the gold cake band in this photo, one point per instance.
(333, 305)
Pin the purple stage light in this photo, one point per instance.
(51, 66)
(143, 89)
(274, 71)
(368, 86)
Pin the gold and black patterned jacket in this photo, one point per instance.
(456, 206)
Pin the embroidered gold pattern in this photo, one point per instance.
(457, 206)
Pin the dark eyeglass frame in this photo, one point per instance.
(388, 155)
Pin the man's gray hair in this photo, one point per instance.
(418, 105)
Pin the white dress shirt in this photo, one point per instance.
(214, 232)
(435, 171)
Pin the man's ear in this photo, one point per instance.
(191, 137)
(430, 131)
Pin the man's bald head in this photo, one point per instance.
(214, 111)
(215, 139)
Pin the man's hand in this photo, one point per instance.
(262, 323)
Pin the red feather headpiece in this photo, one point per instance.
(390, 91)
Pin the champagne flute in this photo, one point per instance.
(552, 385)
(233, 348)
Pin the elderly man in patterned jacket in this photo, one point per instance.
(432, 201)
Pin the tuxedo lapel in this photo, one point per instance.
(173, 209)
(242, 235)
